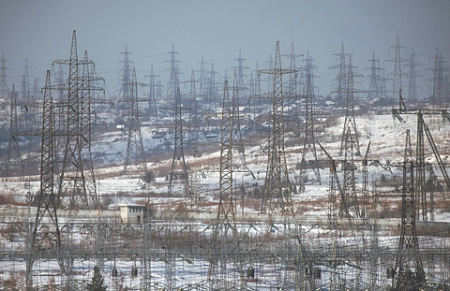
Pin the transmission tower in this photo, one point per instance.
(46, 233)
(412, 76)
(375, 88)
(293, 86)
(174, 81)
(152, 108)
(350, 108)
(398, 73)
(439, 97)
(236, 124)
(193, 122)
(342, 76)
(408, 273)
(226, 203)
(87, 167)
(179, 169)
(135, 145)
(349, 187)
(126, 75)
(240, 70)
(226, 214)
(77, 126)
(277, 187)
(13, 162)
(309, 144)
(212, 90)
(3, 84)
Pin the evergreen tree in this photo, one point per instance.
(97, 281)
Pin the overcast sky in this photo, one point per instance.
(41, 31)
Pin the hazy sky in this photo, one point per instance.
(41, 31)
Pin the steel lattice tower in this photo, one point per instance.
(226, 214)
(179, 169)
(87, 167)
(202, 80)
(13, 162)
(74, 154)
(293, 87)
(412, 76)
(236, 124)
(408, 273)
(342, 76)
(398, 73)
(174, 82)
(375, 88)
(240, 70)
(349, 187)
(135, 145)
(47, 199)
(193, 115)
(309, 144)
(3, 83)
(126, 76)
(438, 79)
(212, 91)
(277, 187)
(152, 108)
(350, 108)
(226, 205)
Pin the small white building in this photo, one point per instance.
(132, 213)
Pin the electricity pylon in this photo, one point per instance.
(46, 234)
(179, 168)
(226, 202)
(135, 145)
(412, 76)
(350, 108)
(349, 187)
(342, 75)
(3, 83)
(152, 108)
(174, 81)
(294, 100)
(438, 80)
(13, 160)
(277, 187)
(76, 134)
(408, 273)
(376, 83)
(309, 144)
(193, 121)
(397, 74)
